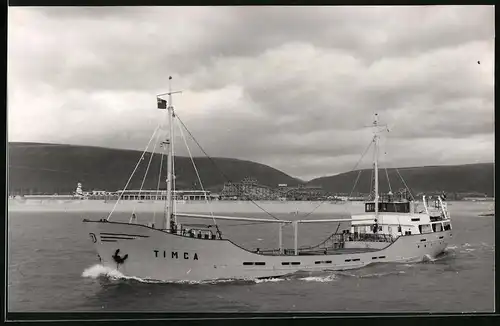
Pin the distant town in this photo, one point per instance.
(247, 189)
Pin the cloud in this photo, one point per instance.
(292, 87)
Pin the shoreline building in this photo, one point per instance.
(187, 195)
(248, 189)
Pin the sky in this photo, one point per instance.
(291, 87)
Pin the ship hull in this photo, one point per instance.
(157, 255)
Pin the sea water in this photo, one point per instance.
(52, 266)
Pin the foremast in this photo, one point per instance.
(375, 166)
(169, 222)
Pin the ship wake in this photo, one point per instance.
(99, 271)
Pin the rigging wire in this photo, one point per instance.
(400, 176)
(220, 171)
(397, 170)
(158, 185)
(359, 174)
(159, 173)
(388, 180)
(162, 155)
(146, 174)
(172, 143)
(413, 198)
(133, 172)
(354, 168)
(372, 191)
(198, 176)
(384, 160)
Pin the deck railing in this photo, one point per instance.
(335, 241)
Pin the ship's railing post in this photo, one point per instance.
(295, 243)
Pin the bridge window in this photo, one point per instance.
(447, 226)
(425, 228)
(437, 227)
(388, 207)
(369, 207)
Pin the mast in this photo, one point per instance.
(375, 165)
(169, 219)
(170, 201)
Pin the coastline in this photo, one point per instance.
(218, 207)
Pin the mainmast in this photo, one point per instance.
(376, 131)
(375, 165)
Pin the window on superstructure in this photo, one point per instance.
(437, 227)
(425, 228)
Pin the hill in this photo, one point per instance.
(54, 168)
(470, 178)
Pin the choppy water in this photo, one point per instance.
(53, 267)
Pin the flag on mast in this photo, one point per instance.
(162, 104)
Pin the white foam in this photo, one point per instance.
(99, 270)
(322, 279)
(266, 280)
(381, 274)
(450, 248)
(428, 258)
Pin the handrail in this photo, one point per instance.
(338, 238)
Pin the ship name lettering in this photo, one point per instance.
(175, 255)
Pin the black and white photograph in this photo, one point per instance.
(250, 159)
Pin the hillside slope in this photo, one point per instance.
(53, 168)
(452, 179)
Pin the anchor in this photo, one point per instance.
(119, 260)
